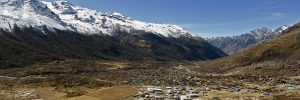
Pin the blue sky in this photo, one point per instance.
(206, 18)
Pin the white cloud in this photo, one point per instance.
(278, 14)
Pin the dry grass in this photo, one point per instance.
(49, 93)
(113, 93)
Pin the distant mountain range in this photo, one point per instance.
(234, 44)
(279, 56)
(32, 31)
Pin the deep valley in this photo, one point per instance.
(59, 51)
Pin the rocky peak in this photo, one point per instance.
(64, 7)
(281, 29)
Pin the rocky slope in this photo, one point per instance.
(33, 32)
(235, 44)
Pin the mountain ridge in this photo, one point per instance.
(234, 44)
(40, 38)
(65, 16)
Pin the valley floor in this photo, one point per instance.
(122, 80)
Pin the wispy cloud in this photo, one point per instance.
(278, 15)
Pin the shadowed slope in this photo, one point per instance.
(27, 46)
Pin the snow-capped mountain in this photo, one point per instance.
(90, 21)
(281, 29)
(234, 44)
(27, 13)
(33, 32)
(66, 16)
